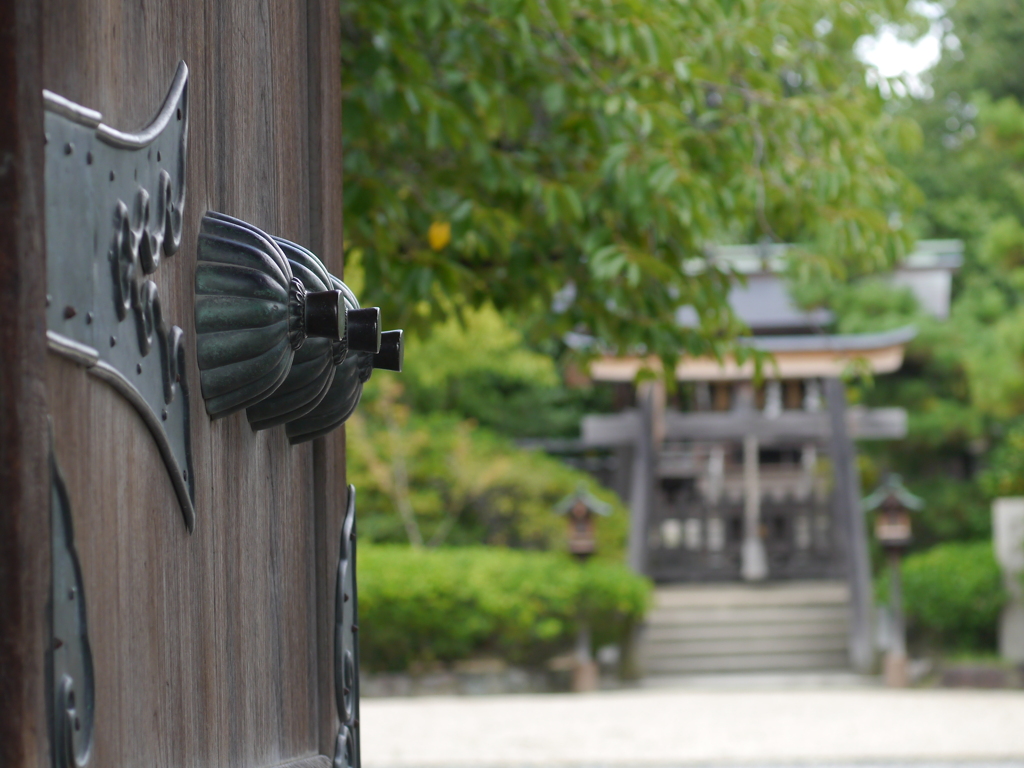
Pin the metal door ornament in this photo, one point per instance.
(347, 388)
(315, 361)
(277, 335)
(69, 659)
(114, 206)
(346, 643)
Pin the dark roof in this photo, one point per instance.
(892, 487)
(839, 342)
(590, 501)
(765, 306)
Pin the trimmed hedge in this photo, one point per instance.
(441, 605)
(953, 594)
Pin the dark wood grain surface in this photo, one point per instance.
(326, 238)
(210, 649)
(24, 486)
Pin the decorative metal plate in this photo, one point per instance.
(346, 643)
(114, 205)
(69, 659)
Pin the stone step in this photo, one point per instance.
(658, 633)
(746, 646)
(775, 662)
(768, 615)
(695, 629)
(730, 595)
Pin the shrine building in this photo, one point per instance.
(729, 480)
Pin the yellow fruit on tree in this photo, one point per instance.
(439, 235)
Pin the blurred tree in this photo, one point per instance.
(440, 479)
(482, 369)
(963, 380)
(571, 159)
(984, 49)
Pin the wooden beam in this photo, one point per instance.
(861, 424)
(621, 428)
(876, 423)
(795, 364)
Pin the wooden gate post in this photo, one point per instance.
(851, 522)
(642, 485)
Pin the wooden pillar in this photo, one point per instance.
(850, 518)
(623, 455)
(754, 564)
(641, 494)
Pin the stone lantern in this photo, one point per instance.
(581, 510)
(892, 503)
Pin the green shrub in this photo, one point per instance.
(1005, 473)
(952, 595)
(438, 480)
(441, 605)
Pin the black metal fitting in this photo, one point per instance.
(325, 313)
(363, 329)
(392, 352)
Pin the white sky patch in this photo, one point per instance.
(896, 64)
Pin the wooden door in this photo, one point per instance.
(209, 647)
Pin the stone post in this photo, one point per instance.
(895, 671)
(754, 559)
(585, 676)
(1008, 541)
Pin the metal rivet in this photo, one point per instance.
(69, 312)
(113, 340)
(88, 318)
(138, 368)
(69, 148)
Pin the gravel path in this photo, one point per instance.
(685, 727)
